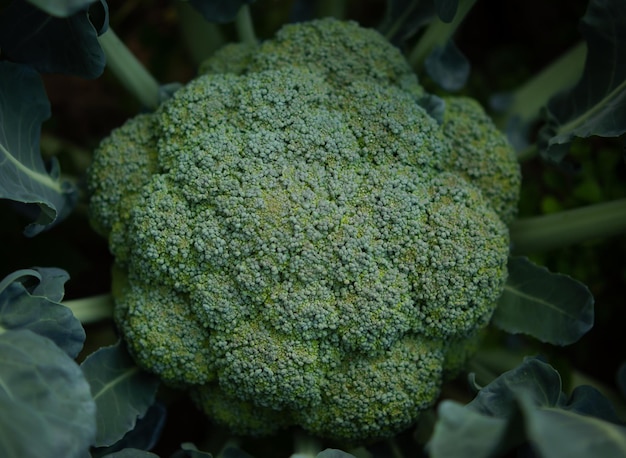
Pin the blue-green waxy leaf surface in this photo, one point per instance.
(482, 428)
(61, 8)
(67, 45)
(37, 308)
(475, 434)
(551, 307)
(556, 433)
(219, 10)
(587, 400)
(144, 436)
(23, 174)
(46, 404)
(122, 391)
(597, 104)
(540, 381)
(526, 405)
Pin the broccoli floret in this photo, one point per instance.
(482, 155)
(124, 163)
(299, 241)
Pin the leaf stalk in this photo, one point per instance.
(129, 70)
(548, 232)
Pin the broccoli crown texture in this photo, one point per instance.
(298, 241)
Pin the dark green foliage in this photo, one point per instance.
(30, 300)
(122, 392)
(527, 404)
(24, 176)
(550, 307)
(42, 389)
(66, 44)
(597, 104)
(48, 408)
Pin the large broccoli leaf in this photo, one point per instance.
(47, 408)
(597, 104)
(29, 299)
(51, 44)
(551, 307)
(23, 174)
(122, 392)
(529, 395)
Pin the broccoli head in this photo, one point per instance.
(299, 241)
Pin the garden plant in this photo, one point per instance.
(312, 228)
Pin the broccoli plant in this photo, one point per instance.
(317, 233)
(299, 241)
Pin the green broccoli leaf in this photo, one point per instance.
(122, 391)
(597, 104)
(48, 411)
(404, 18)
(540, 382)
(436, 52)
(50, 44)
(219, 10)
(23, 175)
(586, 400)
(557, 432)
(61, 8)
(551, 307)
(37, 308)
(527, 404)
(475, 434)
(144, 436)
(487, 425)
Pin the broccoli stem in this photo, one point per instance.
(437, 34)
(202, 38)
(525, 102)
(91, 309)
(245, 26)
(547, 232)
(127, 68)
